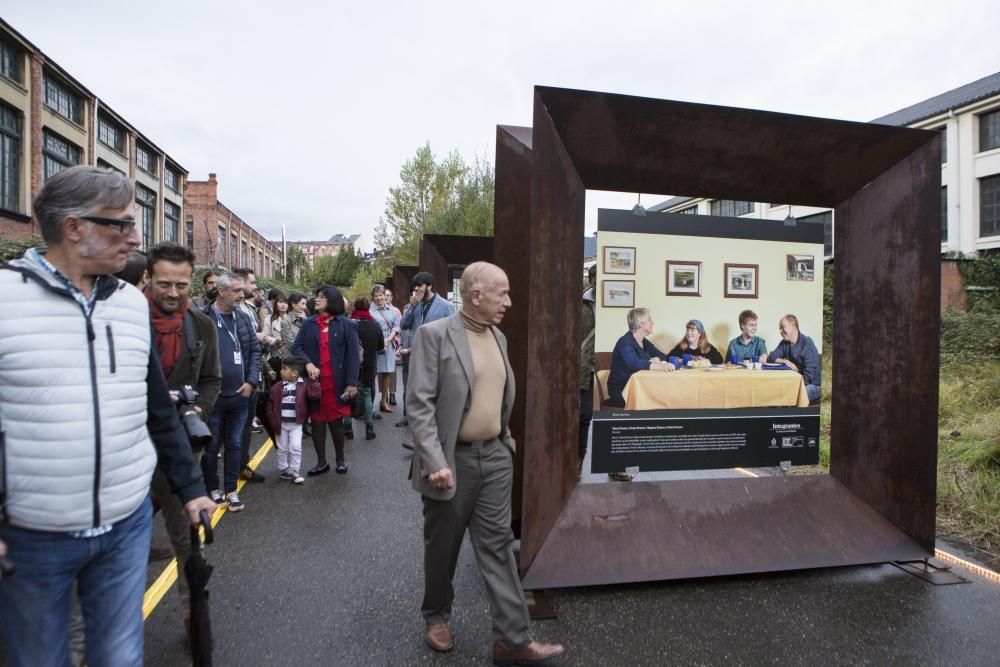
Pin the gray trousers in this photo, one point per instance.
(485, 475)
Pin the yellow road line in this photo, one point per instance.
(167, 578)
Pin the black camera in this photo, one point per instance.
(197, 430)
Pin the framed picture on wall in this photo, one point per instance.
(620, 260)
(801, 267)
(683, 278)
(741, 281)
(618, 293)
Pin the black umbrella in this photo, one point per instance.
(198, 572)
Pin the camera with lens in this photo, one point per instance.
(197, 430)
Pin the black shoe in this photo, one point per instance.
(318, 470)
(392, 398)
(349, 433)
(369, 432)
(377, 415)
(402, 422)
(251, 476)
(341, 468)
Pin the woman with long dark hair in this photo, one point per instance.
(329, 341)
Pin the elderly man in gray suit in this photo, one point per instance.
(458, 402)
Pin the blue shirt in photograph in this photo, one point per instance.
(753, 350)
(803, 354)
(627, 358)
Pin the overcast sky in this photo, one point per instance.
(307, 110)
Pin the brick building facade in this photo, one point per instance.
(220, 238)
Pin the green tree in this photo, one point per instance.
(436, 197)
(296, 264)
(338, 269)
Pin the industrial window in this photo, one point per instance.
(690, 210)
(989, 131)
(989, 206)
(60, 99)
(145, 200)
(171, 179)
(10, 158)
(110, 134)
(189, 232)
(221, 251)
(944, 213)
(826, 219)
(728, 207)
(171, 221)
(57, 154)
(145, 160)
(10, 62)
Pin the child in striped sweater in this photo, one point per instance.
(287, 410)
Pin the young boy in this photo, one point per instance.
(748, 345)
(286, 411)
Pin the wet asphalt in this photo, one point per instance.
(329, 573)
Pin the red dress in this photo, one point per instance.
(330, 408)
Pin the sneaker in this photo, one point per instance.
(297, 478)
(402, 422)
(287, 474)
(256, 426)
(235, 504)
(217, 497)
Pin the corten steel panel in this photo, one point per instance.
(402, 279)
(439, 252)
(551, 386)
(614, 142)
(639, 144)
(511, 243)
(649, 531)
(887, 287)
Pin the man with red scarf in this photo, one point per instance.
(186, 342)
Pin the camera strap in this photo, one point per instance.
(191, 340)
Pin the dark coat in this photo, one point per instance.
(344, 351)
(370, 335)
(198, 365)
(246, 332)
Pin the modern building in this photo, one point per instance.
(220, 238)
(50, 121)
(968, 118)
(330, 248)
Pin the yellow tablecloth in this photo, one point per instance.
(702, 388)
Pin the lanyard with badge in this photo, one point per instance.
(237, 355)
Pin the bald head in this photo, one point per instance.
(485, 292)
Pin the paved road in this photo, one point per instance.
(329, 573)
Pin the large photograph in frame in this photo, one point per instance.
(619, 260)
(741, 281)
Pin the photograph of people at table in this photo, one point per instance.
(798, 351)
(748, 346)
(695, 345)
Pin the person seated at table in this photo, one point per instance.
(695, 343)
(633, 352)
(748, 345)
(797, 351)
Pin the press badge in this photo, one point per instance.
(237, 358)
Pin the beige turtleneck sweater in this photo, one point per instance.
(482, 421)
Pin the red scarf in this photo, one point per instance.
(361, 315)
(168, 328)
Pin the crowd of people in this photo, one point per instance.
(110, 372)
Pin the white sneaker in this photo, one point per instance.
(217, 497)
(235, 504)
(297, 478)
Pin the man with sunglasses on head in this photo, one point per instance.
(86, 416)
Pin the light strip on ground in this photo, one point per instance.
(983, 572)
(167, 578)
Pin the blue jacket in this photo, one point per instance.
(345, 349)
(413, 317)
(627, 358)
(246, 331)
(803, 354)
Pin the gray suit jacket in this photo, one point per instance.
(438, 396)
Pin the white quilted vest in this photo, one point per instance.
(73, 410)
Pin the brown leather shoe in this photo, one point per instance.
(534, 653)
(438, 637)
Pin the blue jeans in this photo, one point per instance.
(812, 391)
(227, 420)
(110, 571)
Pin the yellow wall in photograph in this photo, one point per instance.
(777, 295)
